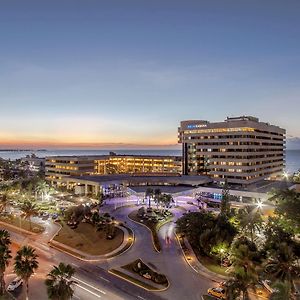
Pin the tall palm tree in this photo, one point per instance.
(157, 194)
(283, 265)
(239, 284)
(59, 283)
(42, 188)
(166, 200)
(25, 264)
(29, 209)
(245, 259)
(5, 256)
(250, 220)
(4, 202)
(148, 194)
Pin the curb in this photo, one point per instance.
(20, 229)
(152, 239)
(202, 272)
(63, 248)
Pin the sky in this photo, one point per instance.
(123, 74)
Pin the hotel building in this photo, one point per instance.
(242, 150)
(59, 167)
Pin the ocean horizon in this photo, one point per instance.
(292, 156)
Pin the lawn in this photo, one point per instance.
(212, 265)
(85, 238)
(154, 227)
(22, 223)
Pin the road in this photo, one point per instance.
(93, 279)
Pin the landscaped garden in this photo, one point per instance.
(251, 249)
(87, 239)
(143, 270)
(142, 275)
(88, 231)
(22, 223)
(153, 219)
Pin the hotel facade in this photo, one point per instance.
(59, 167)
(241, 150)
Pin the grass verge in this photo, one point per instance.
(22, 223)
(154, 227)
(86, 239)
(133, 280)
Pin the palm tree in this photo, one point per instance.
(250, 220)
(59, 283)
(239, 284)
(166, 200)
(148, 194)
(29, 209)
(5, 256)
(157, 194)
(282, 290)
(42, 188)
(4, 202)
(245, 260)
(283, 265)
(25, 264)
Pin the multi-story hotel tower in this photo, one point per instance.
(241, 149)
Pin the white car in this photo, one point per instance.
(15, 284)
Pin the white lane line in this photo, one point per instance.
(83, 282)
(74, 265)
(87, 290)
(104, 279)
(141, 297)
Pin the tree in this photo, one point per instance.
(193, 224)
(4, 202)
(157, 196)
(276, 233)
(59, 283)
(245, 259)
(148, 194)
(225, 204)
(25, 264)
(282, 290)
(42, 188)
(288, 205)
(283, 265)
(250, 220)
(5, 256)
(216, 240)
(166, 200)
(29, 209)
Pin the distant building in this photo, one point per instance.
(242, 150)
(59, 167)
(33, 163)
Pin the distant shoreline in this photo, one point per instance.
(22, 150)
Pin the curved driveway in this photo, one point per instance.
(185, 282)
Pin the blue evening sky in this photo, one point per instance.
(98, 73)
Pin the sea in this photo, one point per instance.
(292, 156)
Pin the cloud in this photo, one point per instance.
(293, 143)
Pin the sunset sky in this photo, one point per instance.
(105, 74)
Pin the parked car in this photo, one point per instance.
(15, 284)
(217, 292)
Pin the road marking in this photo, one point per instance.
(75, 265)
(75, 278)
(87, 290)
(104, 279)
(141, 297)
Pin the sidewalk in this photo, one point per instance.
(194, 263)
